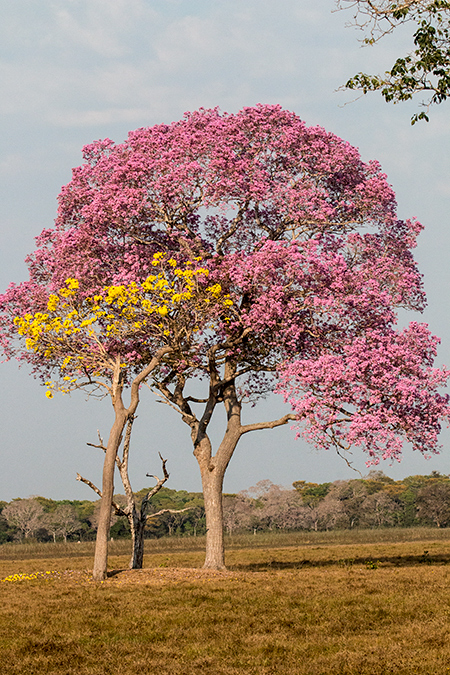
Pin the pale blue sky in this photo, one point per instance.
(72, 71)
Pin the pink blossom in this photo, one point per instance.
(302, 235)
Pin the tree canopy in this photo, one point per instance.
(305, 264)
(426, 68)
(110, 340)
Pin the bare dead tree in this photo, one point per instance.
(137, 516)
(25, 515)
(61, 522)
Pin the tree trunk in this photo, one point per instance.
(212, 482)
(122, 415)
(137, 526)
(104, 521)
(212, 468)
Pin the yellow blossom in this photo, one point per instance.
(52, 303)
(73, 284)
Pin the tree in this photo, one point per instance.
(61, 522)
(237, 512)
(196, 518)
(433, 502)
(301, 301)
(95, 515)
(6, 531)
(274, 506)
(127, 506)
(107, 339)
(24, 514)
(330, 513)
(379, 509)
(352, 495)
(311, 493)
(426, 68)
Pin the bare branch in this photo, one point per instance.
(290, 417)
(380, 17)
(159, 513)
(177, 402)
(160, 482)
(349, 464)
(91, 485)
(117, 509)
(165, 401)
(100, 445)
(233, 227)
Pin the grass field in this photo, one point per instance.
(366, 603)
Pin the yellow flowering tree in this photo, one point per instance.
(114, 340)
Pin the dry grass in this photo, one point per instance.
(321, 608)
(28, 550)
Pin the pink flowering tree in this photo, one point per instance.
(302, 239)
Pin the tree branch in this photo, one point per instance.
(269, 425)
(156, 360)
(157, 488)
(159, 513)
(118, 511)
(100, 445)
(233, 227)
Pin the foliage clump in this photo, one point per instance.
(426, 68)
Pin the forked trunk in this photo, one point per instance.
(212, 469)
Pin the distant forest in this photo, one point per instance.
(371, 502)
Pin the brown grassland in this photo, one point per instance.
(338, 603)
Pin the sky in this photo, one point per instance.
(74, 71)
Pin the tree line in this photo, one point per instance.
(44, 519)
(370, 502)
